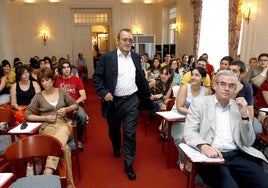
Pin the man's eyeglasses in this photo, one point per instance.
(224, 84)
(127, 40)
(263, 60)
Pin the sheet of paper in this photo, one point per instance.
(170, 115)
(196, 155)
(264, 109)
(29, 129)
(4, 177)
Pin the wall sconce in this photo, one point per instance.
(44, 34)
(247, 9)
(177, 27)
(137, 30)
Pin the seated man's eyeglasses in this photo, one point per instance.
(224, 84)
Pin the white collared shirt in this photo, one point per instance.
(223, 138)
(126, 81)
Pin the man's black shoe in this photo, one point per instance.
(117, 153)
(130, 173)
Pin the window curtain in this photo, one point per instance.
(197, 10)
(235, 19)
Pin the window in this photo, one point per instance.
(172, 13)
(214, 31)
(90, 17)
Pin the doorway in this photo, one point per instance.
(100, 42)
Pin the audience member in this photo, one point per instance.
(48, 62)
(191, 61)
(146, 58)
(261, 99)
(161, 88)
(42, 63)
(167, 59)
(153, 72)
(256, 75)
(22, 92)
(209, 67)
(219, 126)
(4, 93)
(253, 62)
(174, 64)
(187, 76)
(81, 66)
(244, 89)
(185, 66)
(75, 88)
(10, 75)
(183, 100)
(53, 104)
(35, 66)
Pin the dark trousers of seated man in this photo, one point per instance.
(124, 111)
(239, 170)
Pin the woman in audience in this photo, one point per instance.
(153, 72)
(8, 73)
(35, 66)
(175, 67)
(183, 101)
(261, 99)
(42, 63)
(53, 104)
(22, 92)
(4, 96)
(161, 88)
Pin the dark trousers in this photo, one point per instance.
(124, 111)
(239, 170)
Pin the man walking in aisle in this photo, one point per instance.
(119, 80)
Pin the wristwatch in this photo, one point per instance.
(245, 118)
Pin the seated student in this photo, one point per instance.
(75, 88)
(219, 126)
(245, 90)
(53, 104)
(8, 73)
(174, 64)
(261, 99)
(161, 88)
(183, 100)
(22, 92)
(153, 72)
(187, 76)
(4, 96)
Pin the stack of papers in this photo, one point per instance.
(196, 156)
(264, 109)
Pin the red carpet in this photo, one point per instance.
(99, 168)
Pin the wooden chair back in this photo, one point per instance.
(32, 149)
(8, 115)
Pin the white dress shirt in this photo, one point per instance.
(126, 81)
(223, 138)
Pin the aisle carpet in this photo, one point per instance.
(100, 169)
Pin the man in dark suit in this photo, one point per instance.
(119, 80)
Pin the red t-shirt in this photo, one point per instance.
(209, 69)
(72, 86)
(259, 99)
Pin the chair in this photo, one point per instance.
(33, 148)
(5, 139)
(190, 168)
(264, 135)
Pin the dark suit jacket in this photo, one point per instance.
(105, 78)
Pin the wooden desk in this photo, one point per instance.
(170, 117)
(6, 179)
(195, 157)
(31, 129)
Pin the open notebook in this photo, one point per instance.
(31, 128)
